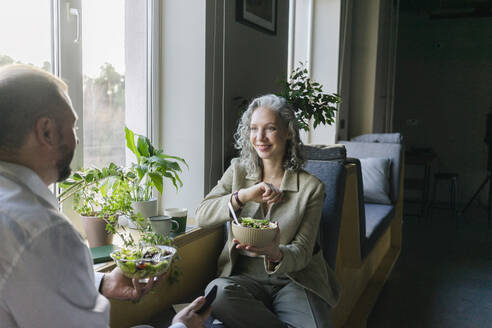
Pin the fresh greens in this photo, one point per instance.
(255, 223)
(143, 262)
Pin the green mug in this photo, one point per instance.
(179, 215)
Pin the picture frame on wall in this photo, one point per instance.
(258, 14)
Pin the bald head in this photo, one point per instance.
(27, 94)
(37, 122)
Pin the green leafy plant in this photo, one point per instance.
(151, 168)
(103, 193)
(308, 99)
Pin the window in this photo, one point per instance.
(103, 50)
(25, 31)
(103, 71)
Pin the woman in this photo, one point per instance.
(287, 282)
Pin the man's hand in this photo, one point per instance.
(116, 285)
(189, 317)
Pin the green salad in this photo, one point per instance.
(255, 223)
(143, 262)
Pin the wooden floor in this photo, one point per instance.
(443, 277)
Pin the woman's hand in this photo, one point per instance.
(271, 251)
(262, 192)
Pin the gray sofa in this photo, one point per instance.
(375, 217)
(360, 235)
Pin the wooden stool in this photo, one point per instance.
(452, 178)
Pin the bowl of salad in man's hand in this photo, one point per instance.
(254, 232)
(144, 262)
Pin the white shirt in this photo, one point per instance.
(46, 275)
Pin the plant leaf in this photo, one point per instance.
(143, 146)
(130, 142)
(156, 180)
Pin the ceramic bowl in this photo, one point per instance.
(254, 236)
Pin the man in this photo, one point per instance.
(46, 276)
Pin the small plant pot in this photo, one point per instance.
(95, 230)
(146, 208)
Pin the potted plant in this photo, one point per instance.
(308, 99)
(100, 197)
(148, 172)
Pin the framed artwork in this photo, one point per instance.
(259, 14)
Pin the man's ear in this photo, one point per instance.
(46, 131)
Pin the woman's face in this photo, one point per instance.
(268, 134)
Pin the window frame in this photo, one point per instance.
(66, 63)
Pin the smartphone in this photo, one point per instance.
(209, 298)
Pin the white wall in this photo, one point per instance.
(324, 53)
(364, 57)
(183, 97)
(326, 40)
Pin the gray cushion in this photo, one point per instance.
(333, 175)
(376, 177)
(379, 137)
(378, 219)
(324, 152)
(387, 150)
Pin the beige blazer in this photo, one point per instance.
(298, 217)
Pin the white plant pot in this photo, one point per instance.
(145, 208)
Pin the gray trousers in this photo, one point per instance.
(261, 300)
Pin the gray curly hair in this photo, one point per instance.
(293, 158)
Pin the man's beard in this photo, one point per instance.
(63, 164)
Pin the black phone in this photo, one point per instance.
(210, 297)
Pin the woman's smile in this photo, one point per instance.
(268, 135)
(263, 148)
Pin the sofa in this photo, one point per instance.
(370, 231)
(375, 216)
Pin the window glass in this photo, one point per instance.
(113, 50)
(25, 33)
(103, 64)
